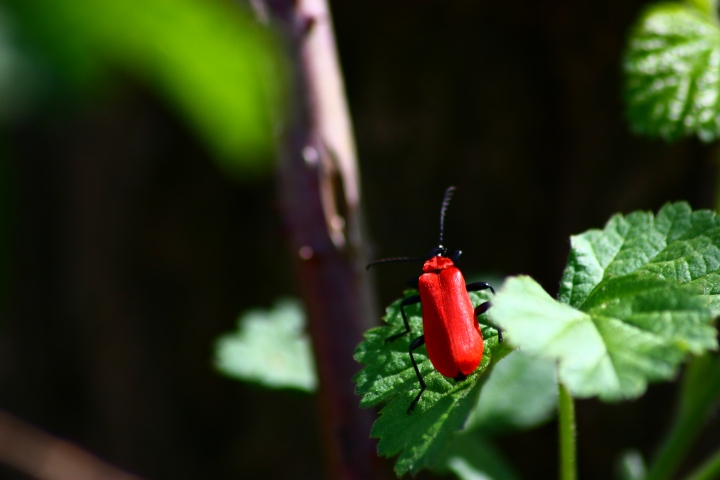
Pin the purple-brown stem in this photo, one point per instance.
(46, 457)
(319, 190)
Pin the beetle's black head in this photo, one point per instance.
(441, 251)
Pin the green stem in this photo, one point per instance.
(567, 434)
(698, 395)
(716, 154)
(708, 7)
(708, 470)
(672, 451)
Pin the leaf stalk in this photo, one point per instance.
(568, 450)
(708, 470)
(698, 396)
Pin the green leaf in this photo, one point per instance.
(707, 7)
(672, 69)
(471, 456)
(677, 244)
(269, 348)
(206, 57)
(637, 297)
(389, 378)
(521, 393)
(635, 330)
(632, 466)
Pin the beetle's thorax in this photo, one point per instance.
(437, 263)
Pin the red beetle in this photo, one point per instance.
(451, 330)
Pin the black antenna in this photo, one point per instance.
(394, 259)
(446, 201)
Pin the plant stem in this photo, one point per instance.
(568, 451)
(699, 394)
(708, 470)
(319, 190)
(45, 457)
(716, 154)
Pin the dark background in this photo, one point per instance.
(128, 252)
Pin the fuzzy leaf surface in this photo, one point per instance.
(388, 378)
(672, 69)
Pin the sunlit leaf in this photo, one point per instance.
(677, 244)
(388, 378)
(634, 330)
(635, 299)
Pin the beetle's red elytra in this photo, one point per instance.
(451, 331)
(452, 334)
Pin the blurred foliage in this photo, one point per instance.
(631, 466)
(270, 348)
(699, 397)
(207, 58)
(18, 85)
(672, 69)
(521, 393)
(471, 456)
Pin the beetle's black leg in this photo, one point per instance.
(482, 308)
(417, 343)
(485, 306)
(455, 255)
(477, 286)
(406, 301)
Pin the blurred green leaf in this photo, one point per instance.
(388, 377)
(672, 69)
(707, 7)
(269, 348)
(520, 393)
(18, 84)
(220, 70)
(471, 456)
(632, 466)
